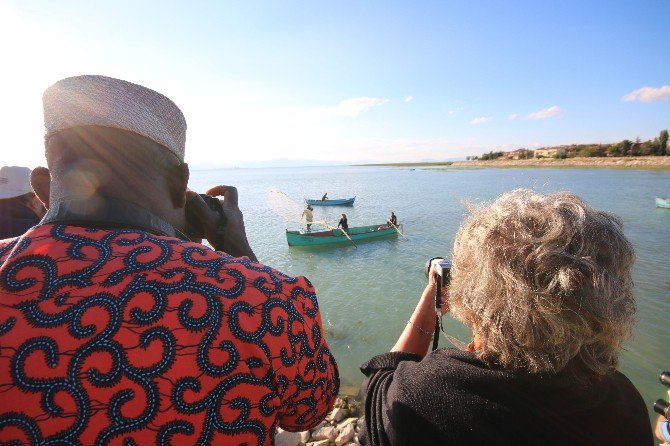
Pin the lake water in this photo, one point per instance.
(366, 294)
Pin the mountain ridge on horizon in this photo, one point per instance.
(305, 162)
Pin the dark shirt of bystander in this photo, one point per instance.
(15, 217)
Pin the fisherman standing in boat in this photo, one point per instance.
(343, 222)
(309, 217)
(325, 197)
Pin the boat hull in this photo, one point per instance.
(334, 202)
(335, 236)
(663, 202)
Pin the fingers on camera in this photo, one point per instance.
(229, 193)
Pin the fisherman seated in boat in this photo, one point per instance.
(118, 329)
(325, 197)
(544, 282)
(393, 220)
(343, 223)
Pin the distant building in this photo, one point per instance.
(518, 154)
(548, 152)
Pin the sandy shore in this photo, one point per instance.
(640, 162)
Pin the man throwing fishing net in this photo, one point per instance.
(117, 328)
(309, 216)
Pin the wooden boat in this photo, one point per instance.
(335, 236)
(331, 202)
(663, 202)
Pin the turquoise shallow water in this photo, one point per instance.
(367, 293)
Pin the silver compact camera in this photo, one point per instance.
(443, 269)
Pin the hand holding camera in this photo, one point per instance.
(438, 272)
(219, 221)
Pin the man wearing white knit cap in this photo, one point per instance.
(20, 209)
(117, 327)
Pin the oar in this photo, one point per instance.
(343, 232)
(396, 228)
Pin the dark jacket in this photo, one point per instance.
(15, 218)
(452, 398)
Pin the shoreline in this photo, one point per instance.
(638, 162)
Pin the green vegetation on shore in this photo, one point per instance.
(618, 163)
(626, 148)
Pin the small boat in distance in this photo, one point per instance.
(331, 202)
(663, 202)
(335, 236)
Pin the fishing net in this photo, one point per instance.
(291, 211)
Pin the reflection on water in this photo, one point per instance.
(366, 294)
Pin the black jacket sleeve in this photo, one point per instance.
(383, 405)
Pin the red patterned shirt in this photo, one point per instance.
(124, 337)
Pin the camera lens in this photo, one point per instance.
(665, 378)
(662, 407)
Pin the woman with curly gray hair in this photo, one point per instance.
(544, 282)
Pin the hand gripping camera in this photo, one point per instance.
(443, 269)
(194, 227)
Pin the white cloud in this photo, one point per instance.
(454, 111)
(512, 117)
(481, 120)
(546, 113)
(648, 94)
(409, 98)
(356, 106)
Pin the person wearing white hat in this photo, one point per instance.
(20, 209)
(115, 326)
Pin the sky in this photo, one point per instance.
(351, 81)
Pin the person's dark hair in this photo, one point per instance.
(21, 199)
(114, 147)
(108, 160)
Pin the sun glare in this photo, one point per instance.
(33, 59)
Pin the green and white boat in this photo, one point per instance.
(336, 236)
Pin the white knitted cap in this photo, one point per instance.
(105, 101)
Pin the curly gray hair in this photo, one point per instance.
(545, 282)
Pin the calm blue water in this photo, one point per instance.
(367, 293)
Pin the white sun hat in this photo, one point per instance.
(108, 102)
(14, 181)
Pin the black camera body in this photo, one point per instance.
(195, 229)
(662, 407)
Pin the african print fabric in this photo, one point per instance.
(124, 337)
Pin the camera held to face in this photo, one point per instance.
(442, 267)
(195, 228)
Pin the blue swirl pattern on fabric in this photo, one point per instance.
(121, 336)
